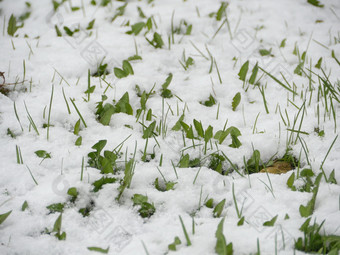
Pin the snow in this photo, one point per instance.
(63, 63)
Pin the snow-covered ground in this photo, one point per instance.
(51, 97)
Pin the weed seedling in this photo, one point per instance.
(221, 247)
(4, 216)
(146, 209)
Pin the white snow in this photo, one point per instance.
(63, 63)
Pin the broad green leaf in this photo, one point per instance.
(172, 246)
(106, 113)
(137, 28)
(72, 192)
(178, 125)
(139, 199)
(57, 224)
(57, 207)
(318, 65)
(158, 40)
(221, 247)
(253, 74)
(264, 52)
(221, 136)
(90, 26)
(167, 82)
(76, 127)
(283, 43)
(208, 134)
(219, 208)
(148, 132)
(199, 128)
(102, 181)
(4, 216)
(271, 222)
(243, 71)
(78, 141)
(316, 3)
(119, 73)
(42, 154)
(24, 206)
(127, 67)
(184, 162)
(12, 25)
(236, 101)
(99, 146)
(290, 181)
(221, 11)
(210, 203)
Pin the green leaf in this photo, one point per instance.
(146, 210)
(104, 180)
(141, 13)
(78, 141)
(24, 206)
(167, 82)
(283, 43)
(221, 11)
(68, 31)
(331, 178)
(148, 132)
(221, 247)
(99, 146)
(178, 125)
(72, 192)
(139, 199)
(119, 73)
(253, 74)
(316, 3)
(134, 57)
(4, 216)
(243, 71)
(158, 40)
(264, 52)
(76, 127)
(184, 161)
(98, 249)
(210, 203)
(210, 102)
(236, 101)
(307, 172)
(127, 67)
(318, 65)
(137, 28)
(164, 186)
(271, 222)
(221, 136)
(234, 132)
(57, 224)
(123, 105)
(199, 128)
(208, 134)
(106, 113)
(172, 246)
(90, 26)
(290, 181)
(59, 34)
(12, 25)
(219, 208)
(42, 154)
(241, 221)
(57, 207)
